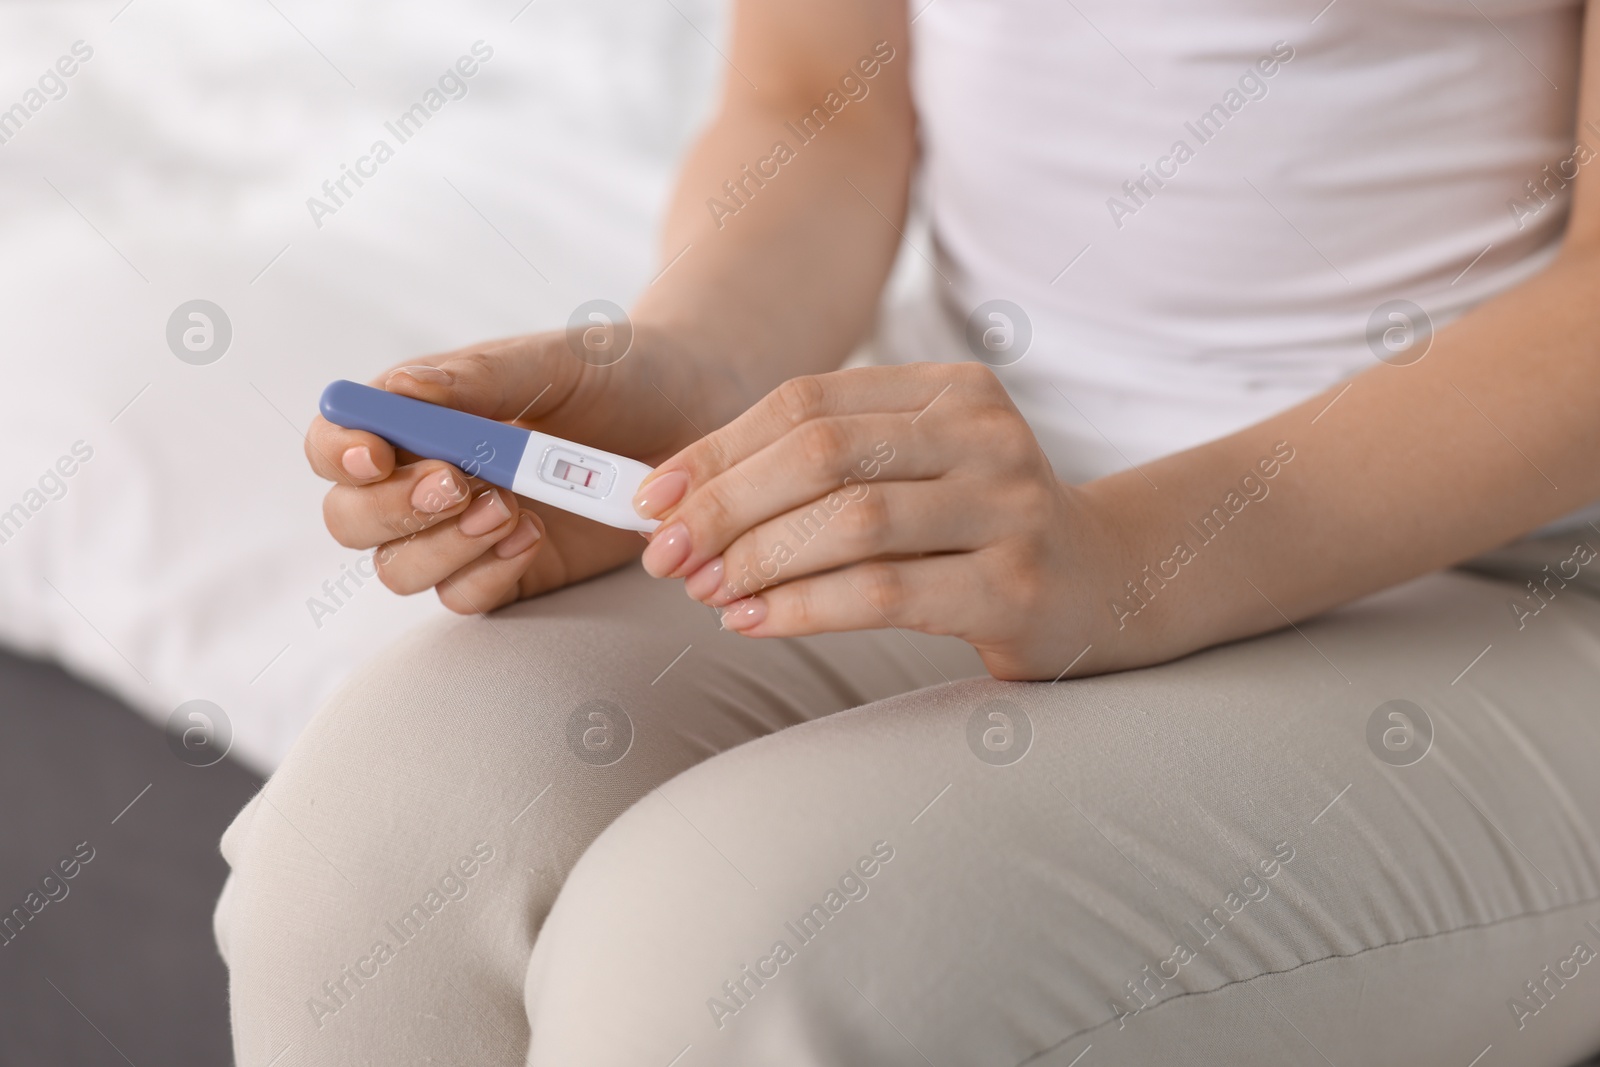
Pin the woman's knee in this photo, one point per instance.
(748, 907)
(344, 867)
(839, 892)
(1085, 855)
(828, 894)
(487, 728)
(426, 818)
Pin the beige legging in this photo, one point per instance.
(593, 829)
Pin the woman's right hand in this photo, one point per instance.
(479, 546)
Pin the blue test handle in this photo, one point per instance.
(481, 447)
(585, 481)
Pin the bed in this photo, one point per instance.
(160, 534)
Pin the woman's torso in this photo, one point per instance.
(1199, 207)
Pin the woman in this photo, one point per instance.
(1176, 388)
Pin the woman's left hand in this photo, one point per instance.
(911, 496)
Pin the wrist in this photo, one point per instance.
(695, 370)
(1128, 581)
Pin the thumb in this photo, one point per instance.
(520, 379)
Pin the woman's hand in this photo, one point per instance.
(479, 546)
(911, 496)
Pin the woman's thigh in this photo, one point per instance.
(390, 878)
(1371, 840)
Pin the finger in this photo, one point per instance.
(576, 548)
(888, 519)
(907, 389)
(416, 497)
(347, 457)
(518, 379)
(423, 560)
(494, 578)
(934, 595)
(814, 461)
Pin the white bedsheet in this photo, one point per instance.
(177, 563)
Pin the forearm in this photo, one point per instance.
(1396, 473)
(774, 257)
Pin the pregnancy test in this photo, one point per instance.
(585, 481)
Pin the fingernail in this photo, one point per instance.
(661, 493)
(667, 550)
(487, 513)
(419, 373)
(358, 463)
(437, 492)
(519, 540)
(704, 583)
(745, 615)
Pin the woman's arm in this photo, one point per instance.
(782, 276)
(954, 523)
(781, 280)
(1399, 472)
(1495, 432)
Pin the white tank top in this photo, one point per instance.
(1199, 206)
